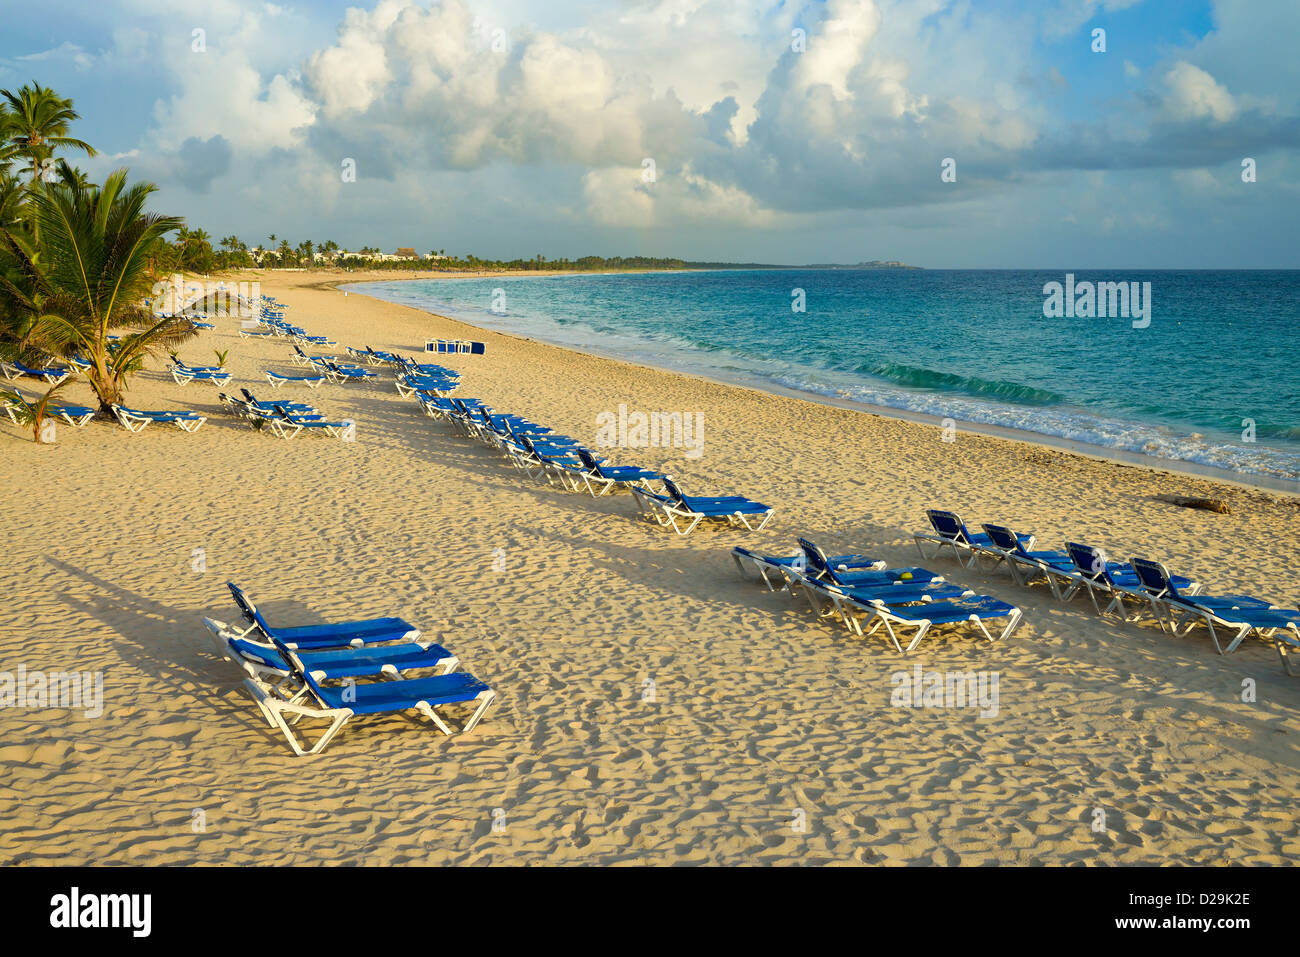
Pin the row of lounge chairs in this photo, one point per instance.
(137, 420)
(684, 513)
(285, 419)
(543, 454)
(375, 357)
(1130, 589)
(273, 323)
(334, 672)
(331, 367)
(903, 604)
(289, 419)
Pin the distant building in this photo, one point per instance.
(406, 252)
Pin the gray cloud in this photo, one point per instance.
(199, 162)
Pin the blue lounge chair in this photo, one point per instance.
(136, 420)
(1027, 566)
(857, 610)
(310, 381)
(299, 408)
(426, 368)
(184, 374)
(77, 416)
(365, 631)
(951, 532)
(338, 704)
(684, 513)
(345, 373)
(408, 383)
(300, 358)
(374, 356)
(601, 479)
(394, 660)
(51, 374)
(774, 564)
(189, 368)
(818, 566)
(247, 410)
(557, 464)
(824, 595)
(439, 407)
(1243, 613)
(516, 427)
(287, 424)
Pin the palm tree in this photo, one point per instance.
(38, 121)
(29, 412)
(71, 175)
(91, 277)
(194, 247)
(11, 199)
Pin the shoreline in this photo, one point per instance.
(1172, 467)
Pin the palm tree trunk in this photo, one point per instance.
(107, 391)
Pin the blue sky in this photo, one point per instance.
(515, 128)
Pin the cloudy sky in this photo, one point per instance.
(788, 132)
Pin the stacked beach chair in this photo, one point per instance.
(334, 672)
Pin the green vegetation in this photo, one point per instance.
(76, 259)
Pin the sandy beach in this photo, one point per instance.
(770, 738)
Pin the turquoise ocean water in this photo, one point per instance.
(1212, 380)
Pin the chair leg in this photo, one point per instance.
(487, 698)
(1209, 623)
(916, 639)
(335, 727)
(1017, 617)
(427, 710)
(1281, 643)
(1241, 636)
(690, 528)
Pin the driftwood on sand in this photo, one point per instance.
(1188, 501)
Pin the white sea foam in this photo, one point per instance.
(1072, 424)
